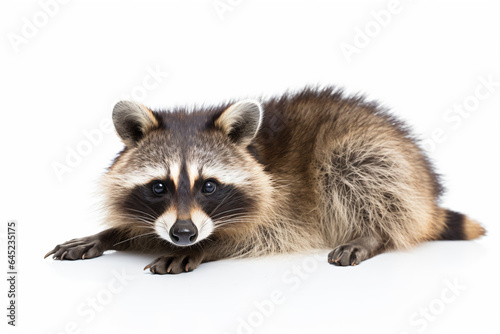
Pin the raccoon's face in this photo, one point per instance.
(184, 176)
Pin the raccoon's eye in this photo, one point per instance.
(159, 188)
(209, 187)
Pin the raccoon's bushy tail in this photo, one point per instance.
(460, 227)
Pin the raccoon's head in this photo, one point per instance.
(185, 175)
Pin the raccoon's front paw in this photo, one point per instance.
(75, 249)
(174, 264)
(348, 255)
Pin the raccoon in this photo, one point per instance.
(313, 169)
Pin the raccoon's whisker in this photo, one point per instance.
(219, 226)
(145, 213)
(138, 223)
(234, 217)
(152, 213)
(224, 212)
(143, 225)
(218, 205)
(135, 219)
(217, 214)
(134, 237)
(231, 221)
(199, 245)
(203, 224)
(231, 193)
(165, 226)
(238, 215)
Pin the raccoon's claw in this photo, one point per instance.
(84, 248)
(174, 264)
(347, 255)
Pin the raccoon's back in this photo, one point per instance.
(301, 131)
(295, 124)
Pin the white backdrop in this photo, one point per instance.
(64, 64)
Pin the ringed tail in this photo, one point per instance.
(460, 227)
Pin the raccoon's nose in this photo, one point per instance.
(183, 232)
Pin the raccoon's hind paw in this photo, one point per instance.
(76, 249)
(175, 264)
(347, 255)
(355, 251)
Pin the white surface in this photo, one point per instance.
(67, 77)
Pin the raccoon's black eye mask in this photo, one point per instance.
(159, 188)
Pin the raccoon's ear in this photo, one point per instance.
(132, 121)
(241, 121)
